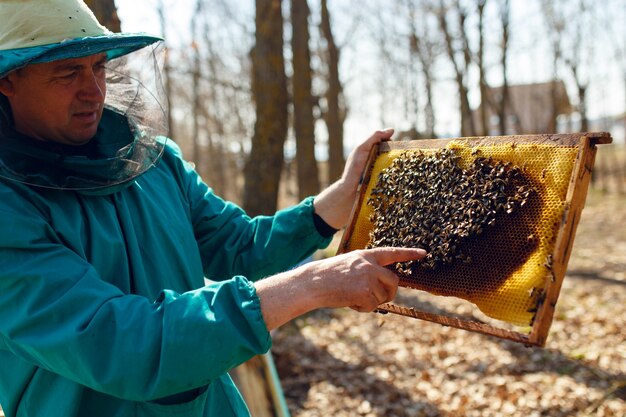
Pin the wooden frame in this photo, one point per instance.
(575, 200)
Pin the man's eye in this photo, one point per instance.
(69, 75)
(99, 68)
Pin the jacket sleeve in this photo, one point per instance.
(232, 243)
(58, 314)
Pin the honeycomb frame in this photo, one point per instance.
(558, 248)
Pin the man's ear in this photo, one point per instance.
(6, 86)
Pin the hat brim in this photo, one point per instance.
(114, 45)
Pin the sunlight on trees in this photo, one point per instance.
(429, 68)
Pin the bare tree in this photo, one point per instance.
(575, 62)
(218, 159)
(556, 50)
(335, 113)
(505, 18)
(196, 71)
(426, 50)
(167, 70)
(412, 90)
(423, 47)
(380, 30)
(484, 88)
(304, 124)
(269, 85)
(106, 12)
(569, 29)
(460, 69)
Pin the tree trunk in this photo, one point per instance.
(269, 89)
(423, 49)
(304, 124)
(430, 110)
(504, 97)
(554, 94)
(106, 13)
(582, 107)
(167, 70)
(217, 159)
(467, 122)
(484, 90)
(574, 62)
(265, 161)
(335, 114)
(196, 110)
(466, 110)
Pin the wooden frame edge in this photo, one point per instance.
(457, 322)
(574, 204)
(356, 207)
(564, 139)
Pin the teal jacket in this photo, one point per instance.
(104, 309)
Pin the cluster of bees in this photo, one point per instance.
(429, 201)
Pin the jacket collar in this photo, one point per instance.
(113, 157)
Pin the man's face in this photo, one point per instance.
(60, 101)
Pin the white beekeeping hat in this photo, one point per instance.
(36, 31)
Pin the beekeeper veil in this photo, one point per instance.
(131, 135)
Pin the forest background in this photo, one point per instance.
(267, 97)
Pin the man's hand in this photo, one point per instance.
(359, 279)
(334, 204)
(355, 279)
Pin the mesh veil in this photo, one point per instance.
(130, 139)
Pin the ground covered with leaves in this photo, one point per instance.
(343, 363)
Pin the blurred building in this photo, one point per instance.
(530, 108)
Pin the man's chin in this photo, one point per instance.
(79, 139)
(84, 128)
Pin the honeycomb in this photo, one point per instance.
(430, 201)
(502, 270)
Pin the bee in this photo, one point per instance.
(540, 300)
(548, 262)
(533, 292)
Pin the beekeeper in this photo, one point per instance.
(107, 235)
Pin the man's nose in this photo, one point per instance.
(92, 87)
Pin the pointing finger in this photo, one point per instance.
(386, 256)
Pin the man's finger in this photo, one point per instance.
(386, 256)
(380, 293)
(378, 136)
(381, 135)
(390, 281)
